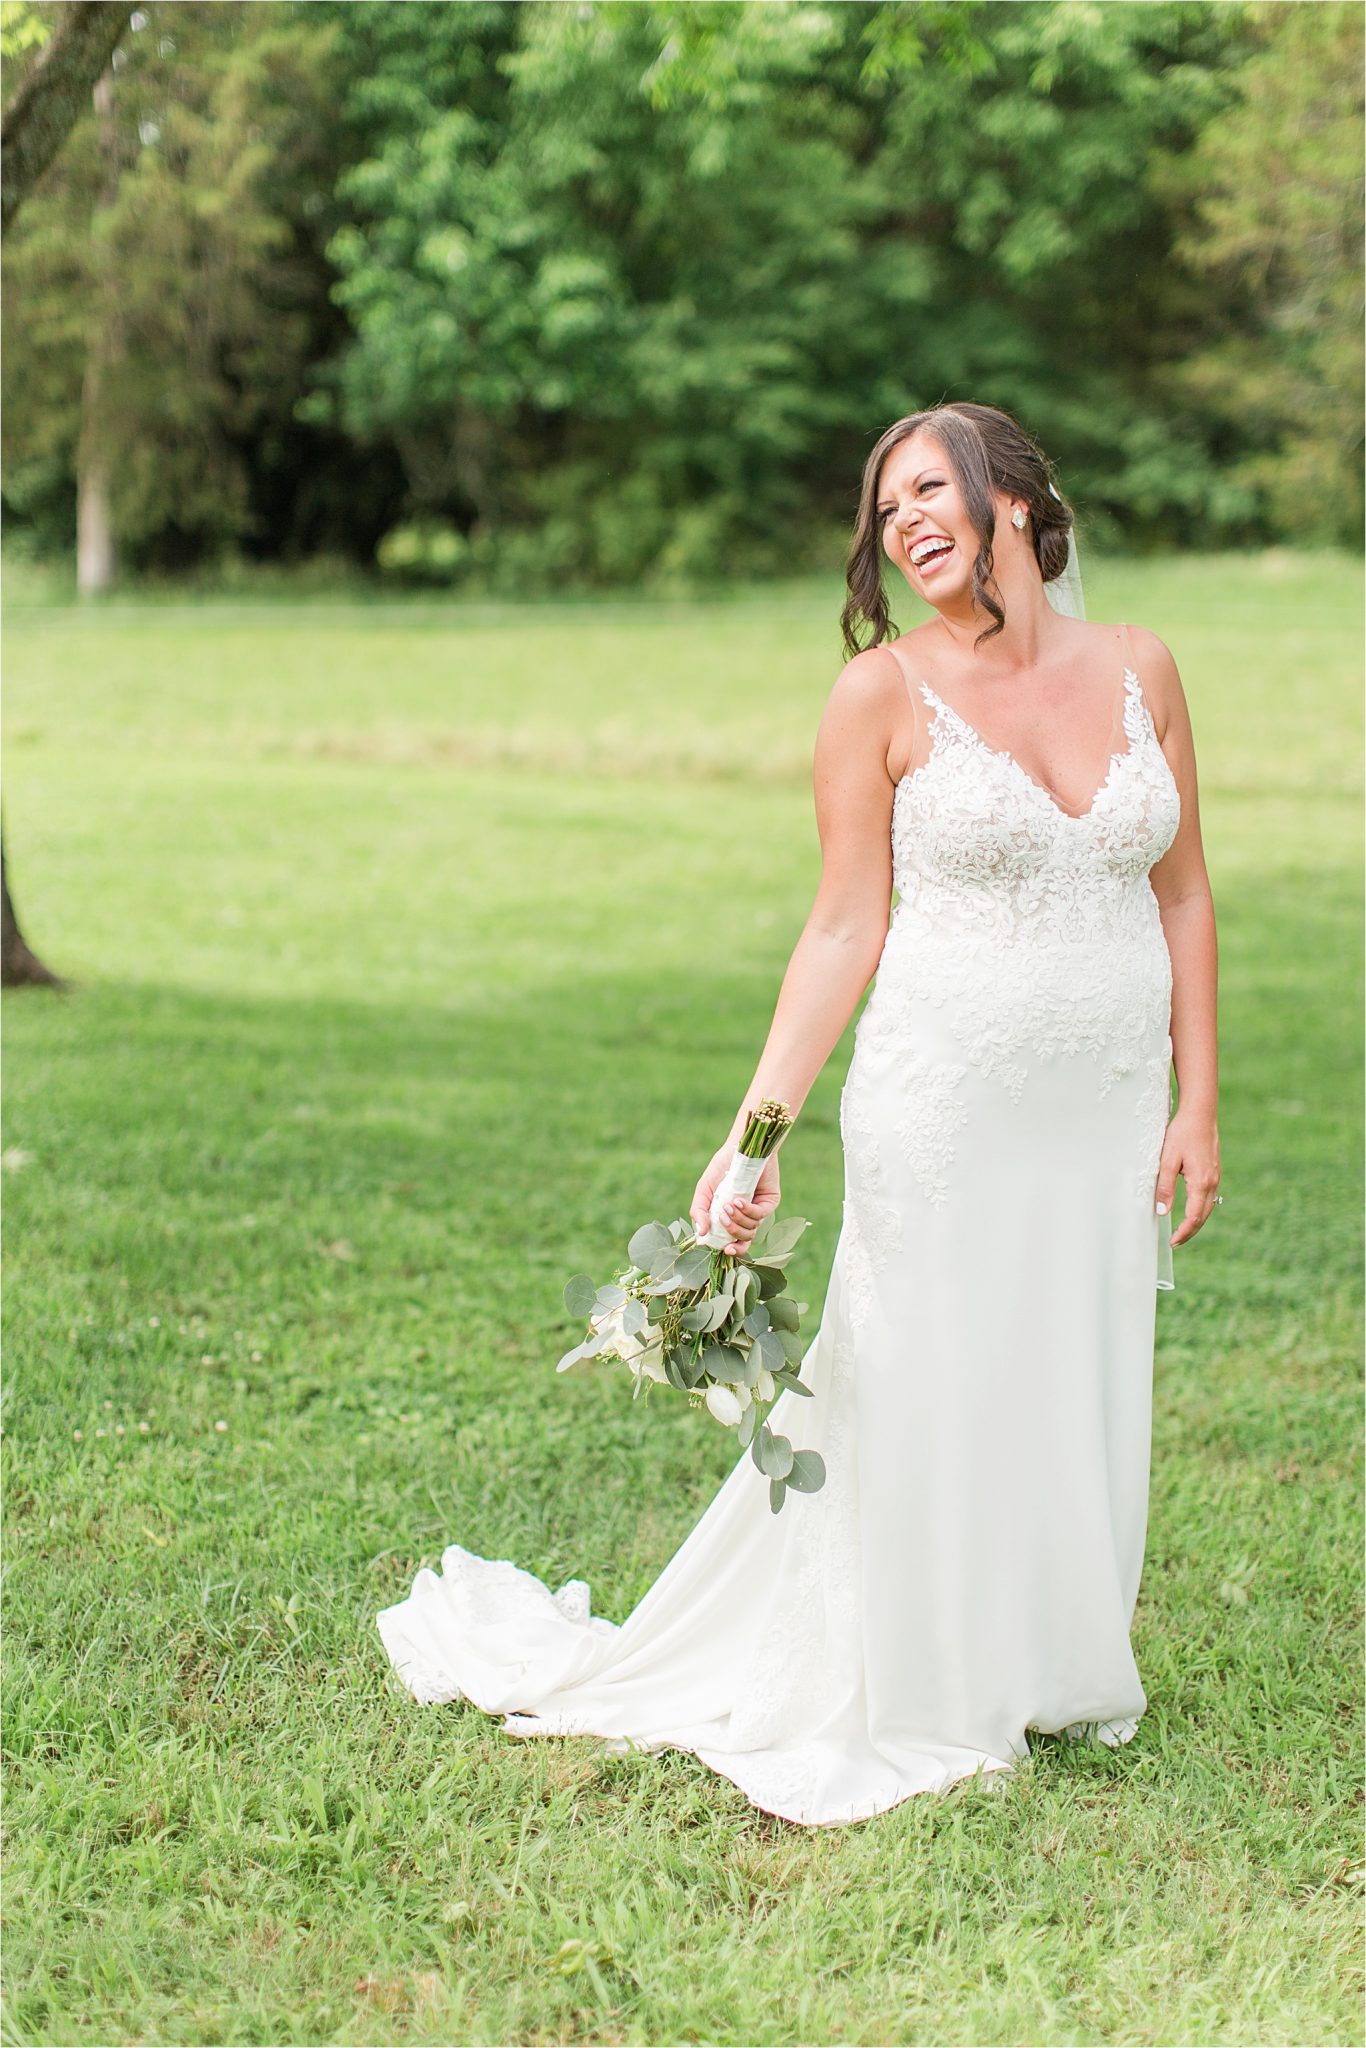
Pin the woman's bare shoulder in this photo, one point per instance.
(1160, 677)
(870, 674)
(1145, 641)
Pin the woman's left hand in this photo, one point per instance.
(1190, 1149)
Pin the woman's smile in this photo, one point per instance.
(938, 549)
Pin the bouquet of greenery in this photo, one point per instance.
(720, 1327)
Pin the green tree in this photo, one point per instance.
(626, 307)
(157, 307)
(1274, 194)
(620, 290)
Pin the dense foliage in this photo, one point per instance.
(509, 294)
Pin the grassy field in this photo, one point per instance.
(417, 955)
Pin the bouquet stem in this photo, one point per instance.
(766, 1126)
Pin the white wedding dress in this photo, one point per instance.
(982, 1373)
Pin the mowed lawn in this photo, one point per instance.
(417, 955)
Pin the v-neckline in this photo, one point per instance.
(1004, 754)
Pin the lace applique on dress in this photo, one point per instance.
(934, 1111)
(872, 1223)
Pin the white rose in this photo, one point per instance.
(650, 1361)
(724, 1404)
(616, 1343)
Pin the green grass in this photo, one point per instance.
(416, 957)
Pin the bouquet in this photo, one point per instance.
(720, 1328)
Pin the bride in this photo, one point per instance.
(982, 1374)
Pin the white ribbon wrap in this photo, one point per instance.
(741, 1177)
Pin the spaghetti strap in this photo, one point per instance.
(1131, 671)
(1128, 646)
(918, 722)
(905, 672)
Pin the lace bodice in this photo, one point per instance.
(977, 840)
(1041, 926)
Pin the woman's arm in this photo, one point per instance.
(1181, 885)
(841, 942)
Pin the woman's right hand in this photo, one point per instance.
(743, 1216)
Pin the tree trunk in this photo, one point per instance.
(46, 106)
(96, 564)
(95, 559)
(36, 123)
(19, 968)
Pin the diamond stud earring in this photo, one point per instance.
(1017, 517)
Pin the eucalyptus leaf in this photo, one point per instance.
(777, 1491)
(570, 1358)
(719, 1311)
(673, 1371)
(769, 1346)
(794, 1348)
(724, 1363)
(808, 1472)
(633, 1316)
(693, 1267)
(772, 1281)
(782, 1312)
(787, 1378)
(690, 1368)
(771, 1453)
(610, 1295)
(580, 1295)
(649, 1239)
(747, 1425)
(708, 1353)
(775, 1456)
(757, 1319)
(697, 1318)
(739, 1355)
(784, 1235)
(592, 1343)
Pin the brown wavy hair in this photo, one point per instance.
(987, 451)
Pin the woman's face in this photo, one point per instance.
(918, 509)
